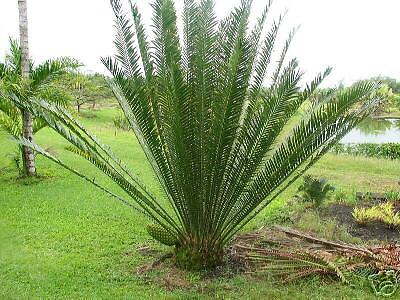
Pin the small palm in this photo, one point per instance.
(40, 84)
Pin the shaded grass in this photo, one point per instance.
(61, 238)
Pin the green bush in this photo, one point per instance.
(121, 122)
(340, 196)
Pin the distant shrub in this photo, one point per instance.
(121, 122)
(386, 150)
(314, 190)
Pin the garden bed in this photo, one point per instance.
(284, 255)
(374, 231)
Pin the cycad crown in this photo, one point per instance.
(215, 136)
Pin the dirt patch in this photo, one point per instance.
(374, 231)
(146, 250)
(173, 279)
(161, 270)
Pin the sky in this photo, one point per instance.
(358, 38)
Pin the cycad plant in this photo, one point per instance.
(41, 83)
(214, 134)
(314, 190)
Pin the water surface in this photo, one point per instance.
(374, 131)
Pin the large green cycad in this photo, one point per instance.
(215, 135)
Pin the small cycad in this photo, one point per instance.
(314, 190)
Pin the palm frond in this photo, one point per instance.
(41, 83)
(3, 70)
(10, 120)
(13, 58)
(307, 142)
(89, 147)
(51, 69)
(10, 125)
(127, 54)
(93, 181)
(53, 93)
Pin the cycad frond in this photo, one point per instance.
(292, 264)
(141, 37)
(53, 93)
(3, 70)
(214, 134)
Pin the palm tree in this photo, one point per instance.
(215, 135)
(41, 83)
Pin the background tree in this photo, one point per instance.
(392, 83)
(390, 92)
(217, 139)
(103, 90)
(86, 88)
(390, 99)
(42, 84)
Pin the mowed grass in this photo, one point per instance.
(62, 238)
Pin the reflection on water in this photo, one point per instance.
(375, 131)
(374, 126)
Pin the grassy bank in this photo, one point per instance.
(61, 238)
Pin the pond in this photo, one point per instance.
(374, 131)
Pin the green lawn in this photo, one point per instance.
(62, 238)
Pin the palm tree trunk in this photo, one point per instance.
(28, 157)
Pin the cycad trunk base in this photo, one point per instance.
(216, 137)
(196, 255)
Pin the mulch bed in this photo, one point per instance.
(374, 231)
